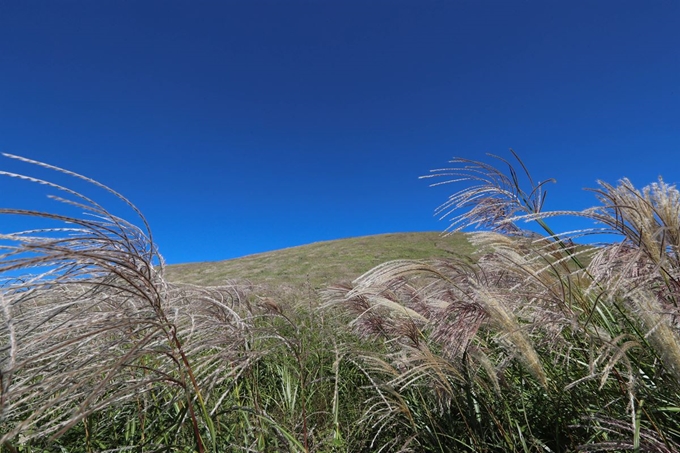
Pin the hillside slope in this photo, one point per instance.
(321, 263)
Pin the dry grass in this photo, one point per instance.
(97, 326)
(575, 319)
(99, 352)
(536, 344)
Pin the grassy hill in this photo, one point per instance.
(321, 263)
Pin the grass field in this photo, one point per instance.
(498, 341)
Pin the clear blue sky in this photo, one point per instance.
(244, 126)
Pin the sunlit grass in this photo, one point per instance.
(539, 345)
(506, 340)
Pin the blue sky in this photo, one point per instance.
(239, 127)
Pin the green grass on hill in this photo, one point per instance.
(321, 263)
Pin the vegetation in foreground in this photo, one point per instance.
(533, 345)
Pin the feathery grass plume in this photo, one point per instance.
(642, 272)
(492, 196)
(658, 329)
(388, 410)
(92, 328)
(648, 219)
(215, 324)
(506, 323)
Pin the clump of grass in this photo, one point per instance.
(98, 352)
(93, 328)
(541, 344)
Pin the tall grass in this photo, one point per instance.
(98, 352)
(540, 344)
(536, 343)
(93, 328)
